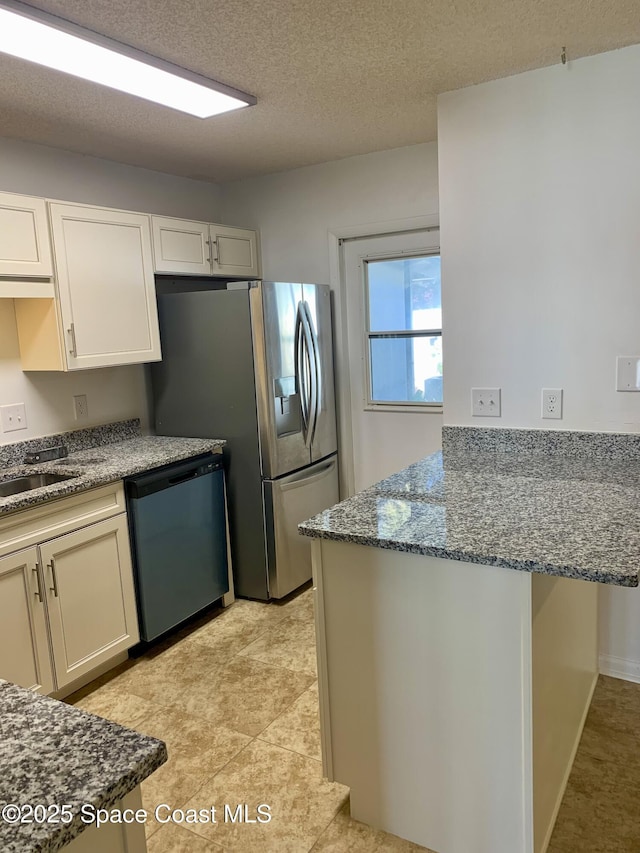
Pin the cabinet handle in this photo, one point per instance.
(38, 593)
(215, 254)
(71, 331)
(54, 588)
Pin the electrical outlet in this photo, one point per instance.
(552, 403)
(486, 402)
(80, 407)
(13, 417)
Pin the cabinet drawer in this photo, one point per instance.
(30, 526)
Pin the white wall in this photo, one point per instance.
(540, 223)
(115, 393)
(296, 210)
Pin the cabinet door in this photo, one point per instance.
(24, 237)
(106, 286)
(90, 597)
(234, 251)
(181, 246)
(24, 644)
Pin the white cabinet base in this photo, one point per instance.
(440, 691)
(67, 598)
(113, 837)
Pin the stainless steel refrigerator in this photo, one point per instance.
(251, 362)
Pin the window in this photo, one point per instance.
(404, 330)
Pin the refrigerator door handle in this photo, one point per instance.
(302, 367)
(311, 365)
(317, 370)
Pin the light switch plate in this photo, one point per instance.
(628, 373)
(486, 402)
(13, 417)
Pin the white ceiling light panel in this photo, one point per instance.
(28, 33)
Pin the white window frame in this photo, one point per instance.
(393, 405)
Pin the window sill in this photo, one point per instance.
(421, 409)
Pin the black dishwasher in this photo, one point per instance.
(177, 525)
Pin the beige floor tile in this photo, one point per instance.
(605, 744)
(298, 728)
(173, 838)
(197, 751)
(113, 703)
(299, 605)
(616, 704)
(302, 803)
(159, 677)
(235, 628)
(186, 733)
(345, 835)
(245, 695)
(599, 811)
(289, 644)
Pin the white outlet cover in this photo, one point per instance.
(552, 403)
(628, 373)
(486, 402)
(80, 407)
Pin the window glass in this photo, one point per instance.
(404, 294)
(406, 370)
(404, 330)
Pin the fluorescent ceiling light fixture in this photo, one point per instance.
(28, 33)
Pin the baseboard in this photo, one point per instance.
(563, 787)
(627, 670)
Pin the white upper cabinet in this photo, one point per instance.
(202, 248)
(234, 251)
(180, 246)
(105, 312)
(25, 249)
(105, 285)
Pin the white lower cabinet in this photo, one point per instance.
(67, 604)
(24, 644)
(90, 597)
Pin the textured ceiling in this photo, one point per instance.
(332, 78)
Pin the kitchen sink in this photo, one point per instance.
(32, 481)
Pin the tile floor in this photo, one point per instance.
(234, 695)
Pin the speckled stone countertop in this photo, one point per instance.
(576, 516)
(105, 463)
(52, 753)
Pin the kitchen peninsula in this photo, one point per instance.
(457, 630)
(67, 764)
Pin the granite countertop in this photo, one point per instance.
(52, 753)
(573, 516)
(102, 464)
